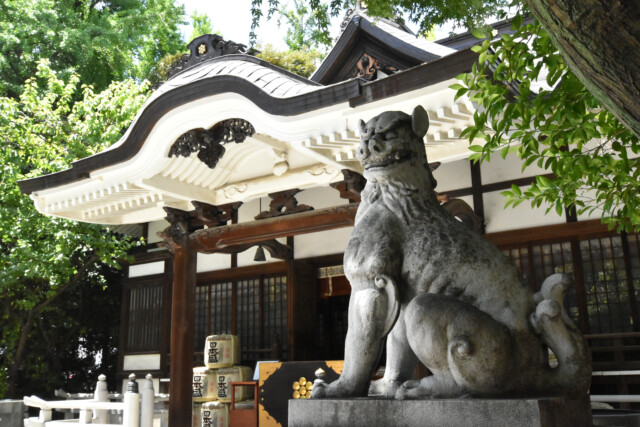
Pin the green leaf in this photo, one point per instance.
(559, 209)
(479, 33)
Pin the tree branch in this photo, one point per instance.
(75, 279)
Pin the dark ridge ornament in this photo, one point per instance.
(208, 143)
(367, 68)
(206, 47)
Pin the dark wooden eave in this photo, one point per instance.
(361, 37)
(355, 91)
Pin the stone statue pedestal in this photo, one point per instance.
(472, 412)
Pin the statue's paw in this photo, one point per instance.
(337, 388)
(319, 389)
(384, 387)
(409, 390)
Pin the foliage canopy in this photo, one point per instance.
(305, 27)
(101, 41)
(533, 105)
(41, 257)
(302, 62)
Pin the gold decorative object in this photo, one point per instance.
(302, 388)
(202, 49)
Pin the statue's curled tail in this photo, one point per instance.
(556, 329)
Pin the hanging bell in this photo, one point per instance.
(259, 254)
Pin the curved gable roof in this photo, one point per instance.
(306, 126)
(272, 89)
(381, 40)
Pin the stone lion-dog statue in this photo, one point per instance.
(440, 293)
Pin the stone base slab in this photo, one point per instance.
(372, 412)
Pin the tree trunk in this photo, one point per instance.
(600, 42)
(26, 329)
(19, 356)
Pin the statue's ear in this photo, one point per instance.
(363, 127)
(419, 121)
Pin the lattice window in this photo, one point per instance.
(145, 319)
(255, 309)
(603, 268)
(606, 285)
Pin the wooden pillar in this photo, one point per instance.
(182, 335)
(476, 186)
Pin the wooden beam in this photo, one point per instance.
(213, 239)
(182, 335)
(549, 233)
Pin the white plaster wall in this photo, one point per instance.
(249, 209)
(499, 169)
(326, 242)
(498, 218)
(321, 197)
(323, 243)
(453, 176)
(154, 228)
(147, 269)
(210, 262)
(136, 362)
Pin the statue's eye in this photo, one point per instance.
(390, 135)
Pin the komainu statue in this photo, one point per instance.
(441, 294)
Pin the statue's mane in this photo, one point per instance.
(403, 199)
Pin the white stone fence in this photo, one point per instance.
(137, 409)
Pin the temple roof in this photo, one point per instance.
(384, 41)
(267, 130)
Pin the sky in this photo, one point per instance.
(233, 19)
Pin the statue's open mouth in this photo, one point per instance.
(391, 158)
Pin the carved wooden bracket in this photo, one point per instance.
(283, 203)
(182, 223)
(462, 211)
(214, 216)
(209, 143)
(351, 186)
(276, 249)
(367, 67)
(177, 233)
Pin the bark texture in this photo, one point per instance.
(600, 42)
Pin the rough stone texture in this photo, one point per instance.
(439, 293)
(12, 413)
(368, 412)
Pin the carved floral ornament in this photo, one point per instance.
(209, 143)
